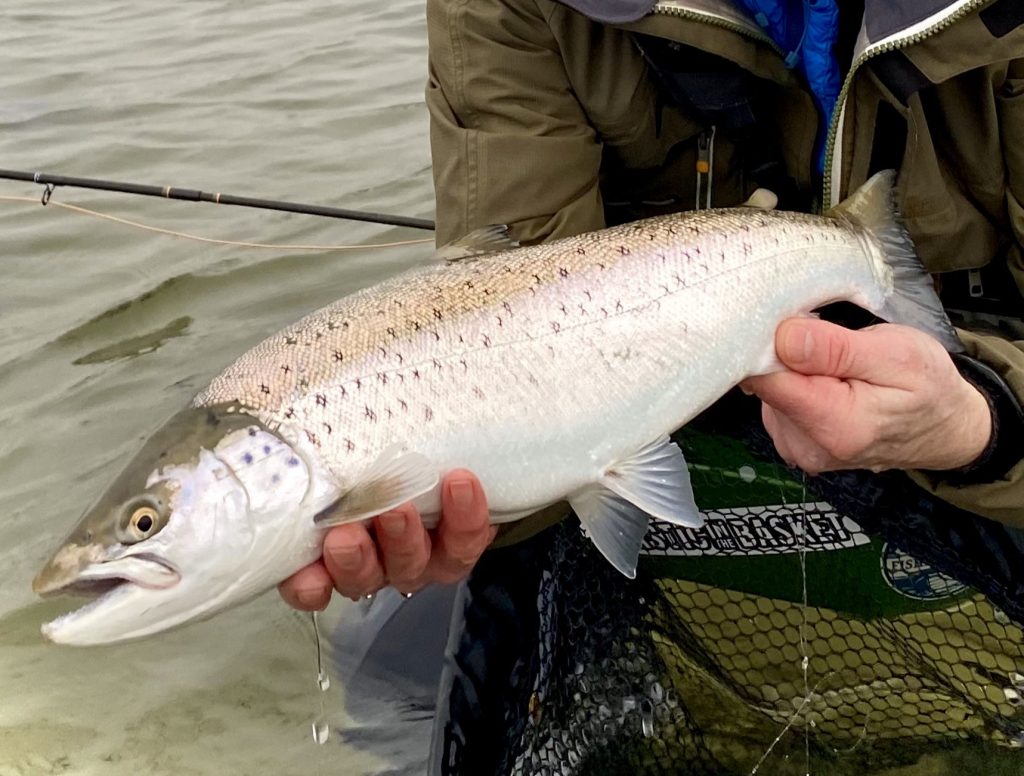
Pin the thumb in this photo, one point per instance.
(814, 347)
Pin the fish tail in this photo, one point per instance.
(912, 300)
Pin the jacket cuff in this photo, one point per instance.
(1005, 447)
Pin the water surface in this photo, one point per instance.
(106, 330)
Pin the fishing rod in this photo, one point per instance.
(194, 195)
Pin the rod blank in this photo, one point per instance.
(194, 195)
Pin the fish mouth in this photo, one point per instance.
(143, 570)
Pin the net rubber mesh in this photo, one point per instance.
(781, 638)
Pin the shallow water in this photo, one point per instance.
(106, 330)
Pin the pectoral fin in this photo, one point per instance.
(615, 526)
(657, 481)
(394, 478)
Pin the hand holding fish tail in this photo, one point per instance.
(405, 555)
(885, 397)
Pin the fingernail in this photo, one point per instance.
(349, 558)
(393, 523)
(461, 493)
(797, 343)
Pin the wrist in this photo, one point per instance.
(1002, 448)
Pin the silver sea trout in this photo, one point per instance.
(554, 372)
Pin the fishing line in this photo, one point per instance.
(212, 240)
(804, 652)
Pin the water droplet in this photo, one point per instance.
(628, 704)
(1012, 696)
(323, 681)
(747, 473)
(578, 669)
(321, 732)
(647, 718)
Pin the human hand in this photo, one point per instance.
(405, 555)
(884, 397)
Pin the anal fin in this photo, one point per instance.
(657, 481)
(615, 526)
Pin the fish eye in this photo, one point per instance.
(143, 521)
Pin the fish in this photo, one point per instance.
(555, 372)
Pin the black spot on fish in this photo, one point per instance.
(321, 400)
(252, 432)
(556, 327)
(437, 364)
(339, 356)
(369, 414)
(416, 373)
(285, 368)
(623, 250)
(581, 251)
(350, 445)
(265, 388)
(291, 341)
(563, 272)
(382, 377)
(403, 404)
(391, 331)
(290, 413)
(331, 326)
(328, 427)
(428, 413)
(438, 314)
(487, 341)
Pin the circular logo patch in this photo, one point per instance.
(914, 578)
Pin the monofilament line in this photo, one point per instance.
(804, 652)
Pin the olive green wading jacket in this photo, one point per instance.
(544, 118)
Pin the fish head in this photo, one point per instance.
(201, 519)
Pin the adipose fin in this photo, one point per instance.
(912, 300)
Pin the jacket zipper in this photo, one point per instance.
(751, 30)
(908, 37)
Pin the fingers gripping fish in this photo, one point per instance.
(554, 372)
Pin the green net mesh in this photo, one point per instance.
(778, 639)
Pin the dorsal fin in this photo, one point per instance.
(479, 242)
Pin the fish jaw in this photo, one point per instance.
(91, 568)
